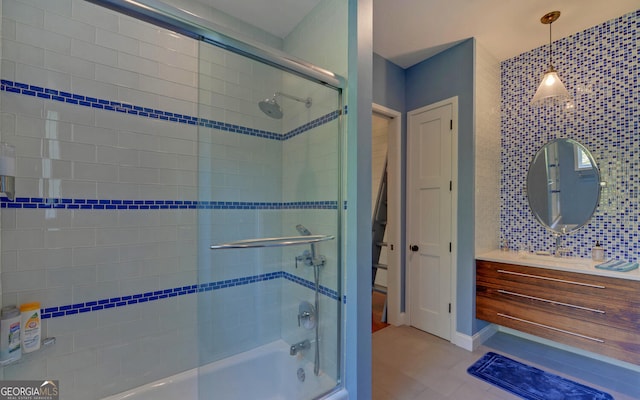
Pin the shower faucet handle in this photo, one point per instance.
(320, 261)
(304, 258)
(304, 316)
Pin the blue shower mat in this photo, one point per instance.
(529, 382)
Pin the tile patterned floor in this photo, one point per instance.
(411, 364)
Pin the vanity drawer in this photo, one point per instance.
(596, 313)
(612, 312)
(604, 339)
(568, 284)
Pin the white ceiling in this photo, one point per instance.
(409, 31)
(277, 17)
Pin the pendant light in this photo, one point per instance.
(551, 85)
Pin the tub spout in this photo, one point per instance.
(304, 345)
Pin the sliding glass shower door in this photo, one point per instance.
(270, 202)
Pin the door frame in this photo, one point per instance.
(395, 316)
(453, 101)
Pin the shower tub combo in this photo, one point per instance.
(275, 371)
(266, 373)
(288, 343)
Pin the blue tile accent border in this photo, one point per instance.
(130, 109)
(313, 124)
(114, 302)
(106, 204)
(308, 284)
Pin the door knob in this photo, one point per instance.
(414, 247)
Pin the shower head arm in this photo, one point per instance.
(307, 102)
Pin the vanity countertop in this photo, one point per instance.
(569, 264)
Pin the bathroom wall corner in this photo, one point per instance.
(357, 353)
(487, 149)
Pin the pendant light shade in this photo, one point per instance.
(551, 86)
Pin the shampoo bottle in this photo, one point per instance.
(30, 313)
(10, 343)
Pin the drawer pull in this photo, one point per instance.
(502, 271)
(551, 328)
(550, 301)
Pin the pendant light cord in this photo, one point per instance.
(549, 19)
(550, 47)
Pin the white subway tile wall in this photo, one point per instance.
(487, 154)
(321, 38)
(104, 113)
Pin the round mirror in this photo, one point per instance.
(563, 185)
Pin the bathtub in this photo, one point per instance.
(267, 372)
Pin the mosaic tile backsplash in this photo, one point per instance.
(599, 67)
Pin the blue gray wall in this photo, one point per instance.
(446, 75)
(388, 84)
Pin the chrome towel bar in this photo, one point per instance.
(272, 242)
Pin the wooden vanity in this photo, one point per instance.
(577, 305)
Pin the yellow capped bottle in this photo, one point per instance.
(30, 314)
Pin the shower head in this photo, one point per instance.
(271, 107)
(303, 231)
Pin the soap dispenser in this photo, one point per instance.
(597, 253)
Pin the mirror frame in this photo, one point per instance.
(597, 176)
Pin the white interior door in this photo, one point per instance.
(429, 218)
